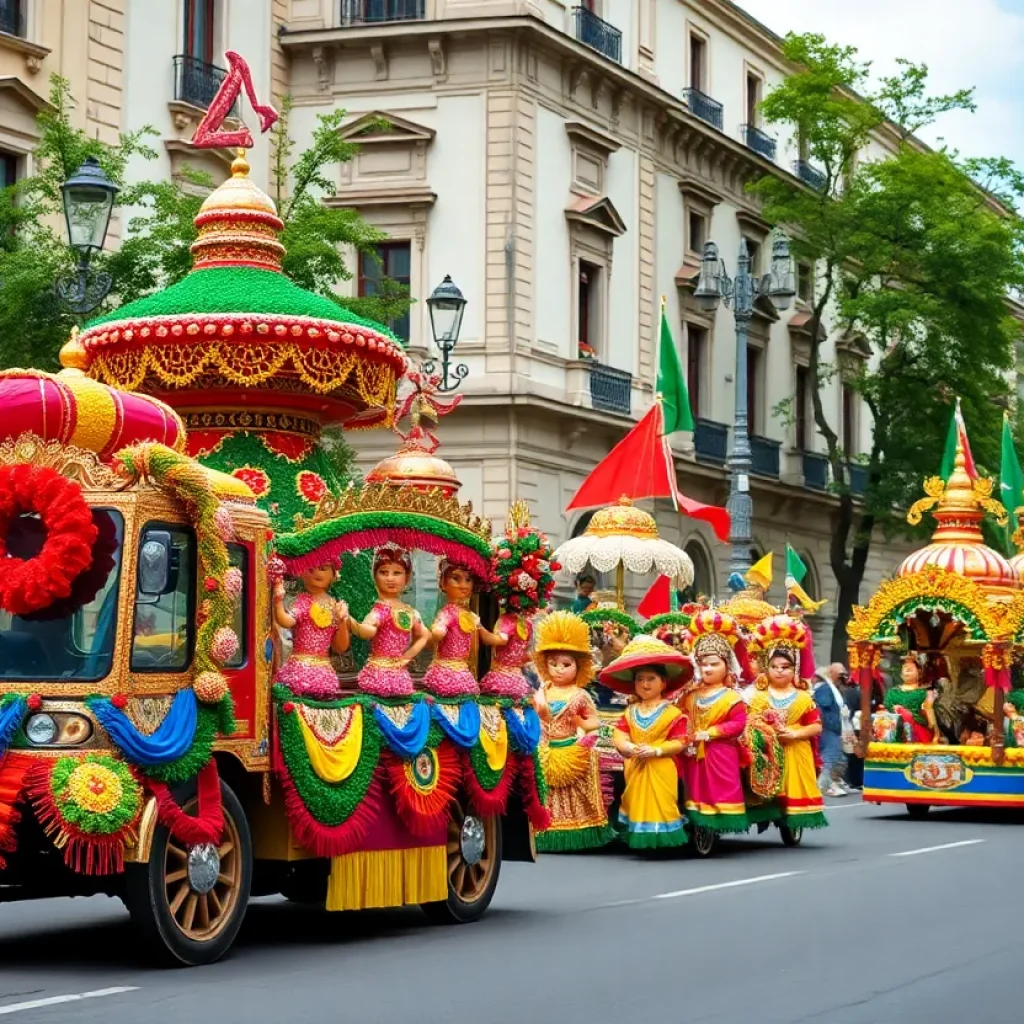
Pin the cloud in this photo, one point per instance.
(980, 44)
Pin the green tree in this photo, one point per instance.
(913, 257)
(155, 250)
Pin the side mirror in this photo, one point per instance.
(155, 563)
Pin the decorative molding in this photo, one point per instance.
(699, 192)
(591, 137)
(410, 196)
(380, 62)
(323, 58)
(366, 129)
(597, 213)
(438, 59)
(753, 223)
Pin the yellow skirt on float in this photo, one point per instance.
(370, 879)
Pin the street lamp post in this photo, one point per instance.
(714, 285)
(446, 305)
(88, 197)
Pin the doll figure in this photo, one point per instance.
(569, 724)
(394, 629)
(319, 625)
(453, 631)
(650, 736)
(913, 701)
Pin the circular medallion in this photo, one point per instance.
(95, 788)
(203, 867)
(424, 769)
(472, 840)
(321, 617)
(522, 630)
(403, 620)
(467, 621)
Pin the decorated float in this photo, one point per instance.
(950, 624)
(159, 498)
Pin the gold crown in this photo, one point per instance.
(622, 519)
(435, 503)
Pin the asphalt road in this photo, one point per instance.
(877, 920)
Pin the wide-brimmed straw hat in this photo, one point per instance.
(643, 652)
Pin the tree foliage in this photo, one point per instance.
(914, 255)
(155, 249)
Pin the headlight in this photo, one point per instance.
(41, 730)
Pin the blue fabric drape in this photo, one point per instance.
(523, 733)
(411, 738)
(466, 731)
(11, 716)
(171, 740)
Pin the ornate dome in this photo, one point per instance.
(414, 465)
(957, 543)
(622, 519)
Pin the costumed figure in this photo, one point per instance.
(650, 736)
(319, 624)
(1013, 721)
(453, 631)
(912, 701)
(717, 713)
(523, 569)
(783, 708)
(570, 725)
(394, 629)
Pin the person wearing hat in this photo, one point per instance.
(569, 722)
(713, 766)
(650, 736)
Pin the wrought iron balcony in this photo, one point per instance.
(703, 106)
(758, 141)
(197, 82)
(374, 12)
(815, 471)
(12, 17)
(596, 33)
(858, 478)
(764, 456)
(810, 175)
(710, 441)
(611, 390)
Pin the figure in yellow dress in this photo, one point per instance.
(579, 819)
(782, 704)
(650, 736)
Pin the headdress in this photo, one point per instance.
(641, 652)
(788, 637)
(447, 565)
(563, 631)
(717, 632)
(392, 553)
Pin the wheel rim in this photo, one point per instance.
(202, 883)
(703, 839)
(471, 851)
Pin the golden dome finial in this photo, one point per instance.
(240, 165)
(73, 357)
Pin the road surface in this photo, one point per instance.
(876, 920)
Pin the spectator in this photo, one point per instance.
(584, 589)
(831, 705)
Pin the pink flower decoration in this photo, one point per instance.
(225, 644)
(233, 583)
(225, 527)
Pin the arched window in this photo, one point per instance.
(703, 572)
(812, 581)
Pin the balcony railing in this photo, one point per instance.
(197, 82)
(374, 12)
(596, 33)
(12, 17)
(815, 471)
(810, 175)
(710, 441)
(764, 456)
(758, 141)
(858, 478)
(611, 390)
(704, 107)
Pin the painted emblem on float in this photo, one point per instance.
(938, 771)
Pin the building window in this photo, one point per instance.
(8, 166)
(696, 358)
(198, 29)
(697, 231)
(12, 17)
(805, 282)
(387, 261)
(588, 297)
(800, 400)
(754, 363)
(849, 422)
(754, 252)
(698, 62)
(753, 92)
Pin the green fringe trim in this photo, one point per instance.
(815, 819)
(719, 822)
(599, 616)
(541, 779)
(762, 812)
(572, 839)
(655, 840)
(485, 774)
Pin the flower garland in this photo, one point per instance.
(14, 769)
(600, 617)
(187, 481)
(33, 584)
(523, 569)
(90, 807)
(487, 788)
(207, 825)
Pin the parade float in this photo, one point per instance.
(156, 741)
(950, 621)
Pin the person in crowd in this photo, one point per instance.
(830, 705)
(584, 590)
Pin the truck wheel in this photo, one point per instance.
(918, 811)
(474, 863)
(791, 836)
(702, 840)
(188, 902)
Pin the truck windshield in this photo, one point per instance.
(72, 640)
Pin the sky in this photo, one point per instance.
(965, 43)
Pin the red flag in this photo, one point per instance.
(657, 600)
(641, 466)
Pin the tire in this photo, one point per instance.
(703, 840)
(180, 924)
(791, 837)
(918, 812)
(471, 884)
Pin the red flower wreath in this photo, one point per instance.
(30, 585)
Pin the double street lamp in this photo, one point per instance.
(446, 305)
(713, 286)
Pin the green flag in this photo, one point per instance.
(1011, 479)
(795, 568)
(675, 399)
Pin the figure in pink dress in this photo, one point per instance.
(453, 631)
(319, 624)
(394, 629)
(506, 678)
